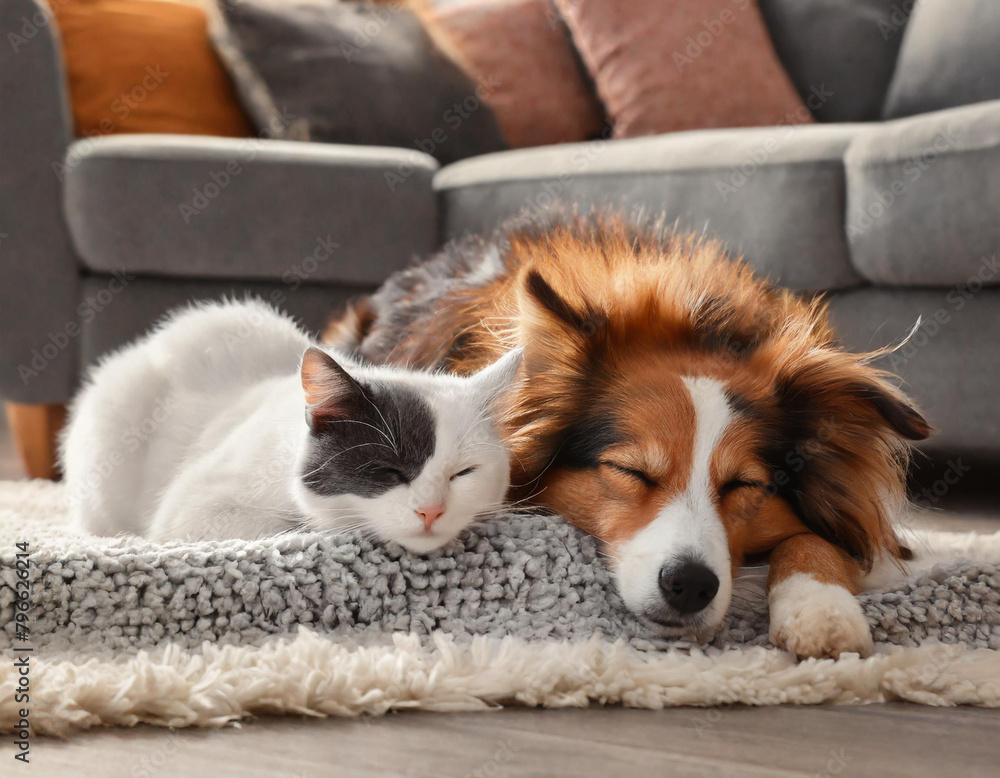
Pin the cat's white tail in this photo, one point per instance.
(105, 443)
(145, 405)
(214, 346)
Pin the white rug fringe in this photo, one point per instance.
(312, 675)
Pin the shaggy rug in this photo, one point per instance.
(519, 611)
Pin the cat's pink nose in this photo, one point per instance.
(429, 514)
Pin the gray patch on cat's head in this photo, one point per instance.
(384, 440)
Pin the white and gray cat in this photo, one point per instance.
(227, 421)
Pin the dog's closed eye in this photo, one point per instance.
(738, 483)
(638, 475)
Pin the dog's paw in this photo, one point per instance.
(813, 619)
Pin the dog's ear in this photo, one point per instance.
(559, 335)
(846, 385)
(556, 329)
(841, 432)
(894, 407)
(550, 301)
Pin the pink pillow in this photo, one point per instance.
(669, 65)
(522, 55)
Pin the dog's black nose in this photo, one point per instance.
(689, 587)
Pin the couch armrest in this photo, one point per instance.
(922, 198)
(38, 272)
(188, 206)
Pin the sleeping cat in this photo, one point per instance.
(228, 422)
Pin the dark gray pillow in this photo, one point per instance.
(342, 72)
(950, 57)
(840, 54)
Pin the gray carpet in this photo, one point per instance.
(531, 576)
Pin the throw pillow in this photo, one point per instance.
(540, 95)
(950, 57)
(344, 72)
(668, 65)
(840, 54)
(137, 66)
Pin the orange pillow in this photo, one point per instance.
(145, 66)
(537, 91)
(668, 65)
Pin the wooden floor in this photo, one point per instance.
(875, 740)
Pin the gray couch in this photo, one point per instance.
(895, 220)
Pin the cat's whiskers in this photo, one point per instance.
(605, 554)
(388, 430)
(538, 477)
(514, 509)
(329, 461)
(520, 464)
(485, 444)
(359, 522)
(519, 504)
(292, 530)
(363, 529)
(353, 521)
(483, 417)
(366, 424)
(263, 485)
(399, 415)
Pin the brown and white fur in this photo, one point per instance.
(679, 408)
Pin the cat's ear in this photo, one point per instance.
(329, 391)
(492, 381)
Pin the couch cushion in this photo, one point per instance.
(138, 303)
(950, 57)
(840, 54)
(775, 194)
(923, 198)
(248, 209)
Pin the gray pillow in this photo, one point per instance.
(840, 54)
(342, 72)
(950, 57)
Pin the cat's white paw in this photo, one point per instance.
(813, 619)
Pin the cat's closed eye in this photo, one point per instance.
(467, 471)
(392, 474)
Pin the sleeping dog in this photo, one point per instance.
(677, 407)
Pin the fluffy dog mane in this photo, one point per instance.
(591, 295)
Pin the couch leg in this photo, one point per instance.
(36, 431)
